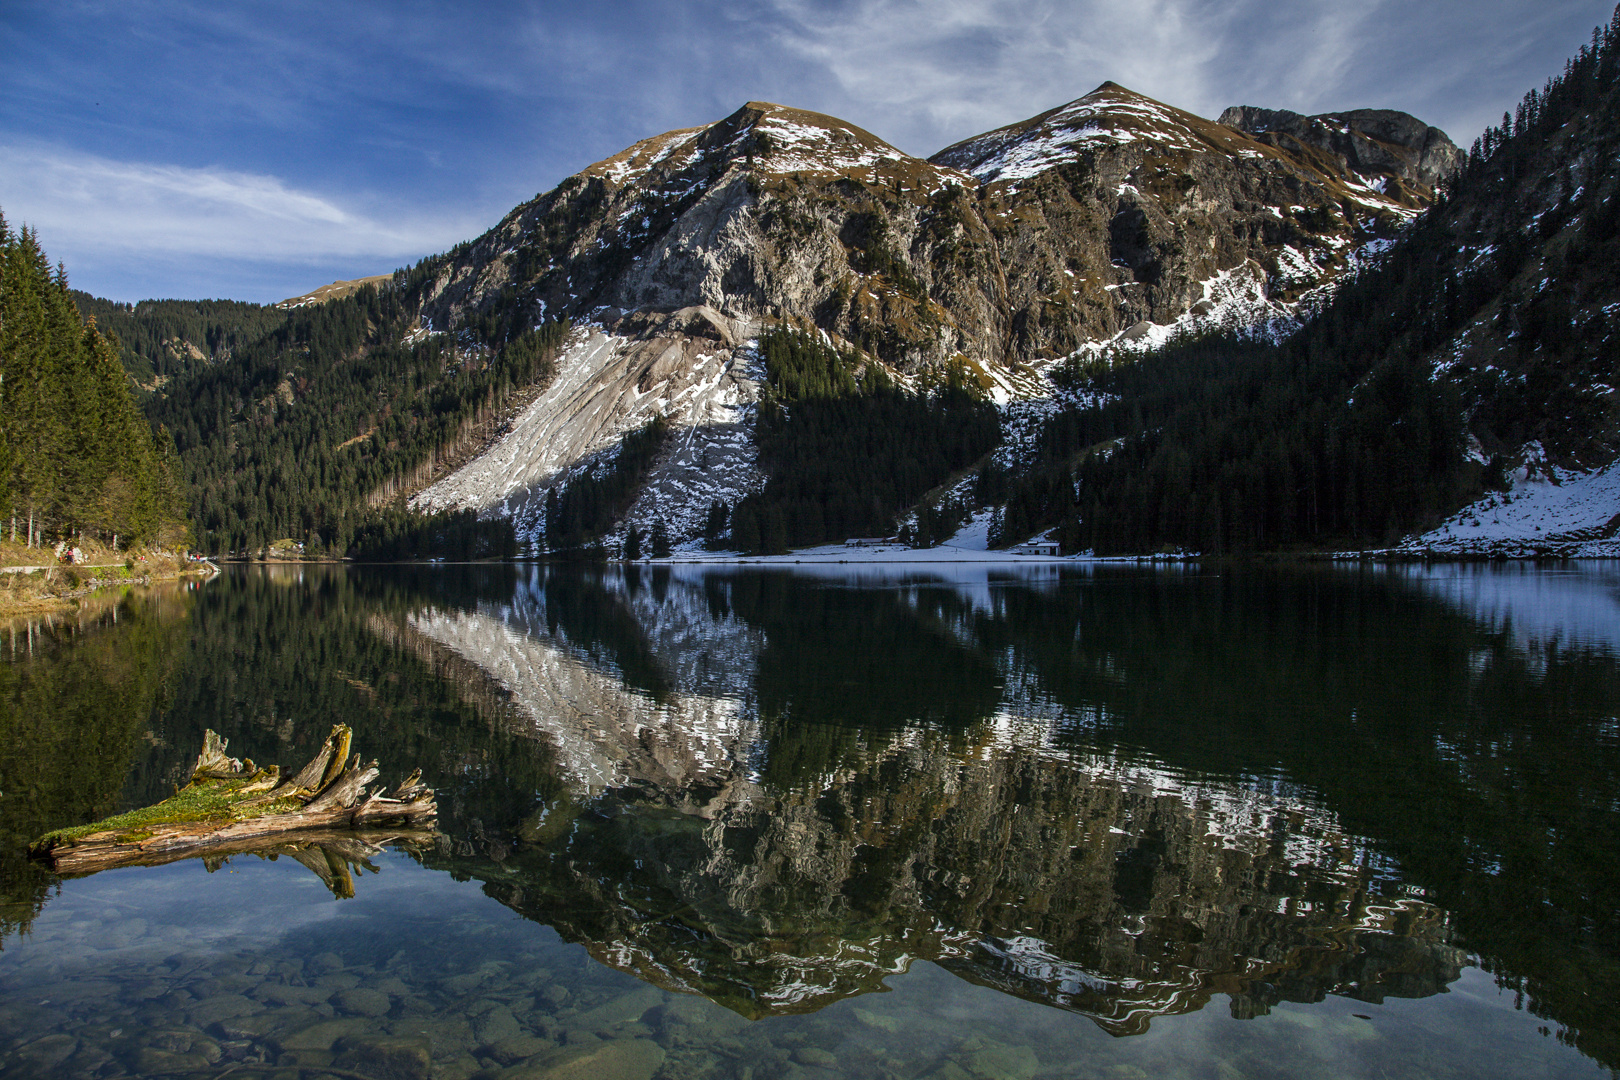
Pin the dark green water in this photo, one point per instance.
(925, 822)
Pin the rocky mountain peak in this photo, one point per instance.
(1372, 142)
(1109, 116)
(766, 138)
(1111, 222)
(785, 140)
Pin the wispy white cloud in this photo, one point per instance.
(926, 73)
(80, 201)
(952, 68)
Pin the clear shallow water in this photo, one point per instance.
(965, 824)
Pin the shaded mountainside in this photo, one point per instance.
(1372, 142)
(160, 340)
(1476, 355)
(305, 431)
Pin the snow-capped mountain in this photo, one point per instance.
(1106, 223)
(1014, 246)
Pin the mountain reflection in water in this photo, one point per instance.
(1116, 791)
(1119, 795)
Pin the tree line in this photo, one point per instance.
(162, 339)
(580, 512)
(76, 456)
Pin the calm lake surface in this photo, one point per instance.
(952, 822)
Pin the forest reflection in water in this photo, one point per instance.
(1122, 793)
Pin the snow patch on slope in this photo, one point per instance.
(800, 147)
(1578, 512)
(1096, 119)
(703, 463)
(631, 165)
(604, 386)
(1233, 300)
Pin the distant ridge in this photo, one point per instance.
(332, 292)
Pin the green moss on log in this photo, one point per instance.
(203, 802)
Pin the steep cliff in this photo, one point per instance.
(770, 213)
(1372, 142)
(1116, 213)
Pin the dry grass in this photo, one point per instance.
(334, 291)
(18, 554)
(59, 588)
(38, 593)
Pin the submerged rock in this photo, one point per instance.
(627, 1059)
(386, 1057)
(363, 1002)
(497, 1025)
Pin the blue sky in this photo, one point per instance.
(258, 150)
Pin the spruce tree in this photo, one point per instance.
(75, 452)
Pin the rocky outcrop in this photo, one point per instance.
(1116, 214)
(1019, 244)
(687, 367)
(1372, 142)
(770, 213)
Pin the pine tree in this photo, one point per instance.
(75, 452)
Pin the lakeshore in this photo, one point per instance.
(32, 582)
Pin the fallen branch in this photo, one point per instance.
(231, 806)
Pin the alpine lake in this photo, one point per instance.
(919, 820)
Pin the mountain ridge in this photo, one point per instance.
(775, 212)
(1019, 265)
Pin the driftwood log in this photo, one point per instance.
(232, 807)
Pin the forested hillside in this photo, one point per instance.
(310, 428)
(1489, 325)
(166, 339)
(76, 455)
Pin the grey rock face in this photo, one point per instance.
(1117, 212)
(687, 367)
(1371, 141)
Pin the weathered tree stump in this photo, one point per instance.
(232, 806)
